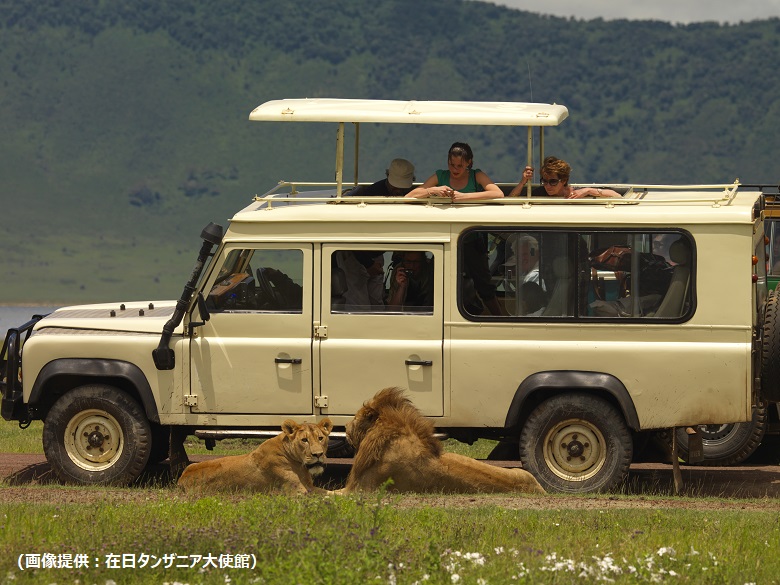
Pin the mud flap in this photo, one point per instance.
(177, 456)
(695, 446)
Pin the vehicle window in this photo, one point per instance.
(382, 281)
(773, 235)
(259, 280)
(548, 275)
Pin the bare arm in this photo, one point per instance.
(492, 191)
(528, 174)
(430, 188)
(592, 192)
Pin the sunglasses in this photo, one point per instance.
(551, 182)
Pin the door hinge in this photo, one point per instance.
(321, 401)
(321, 331)
(190, 400)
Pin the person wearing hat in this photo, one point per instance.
(400, 176)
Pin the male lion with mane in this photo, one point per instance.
(394, 441)
(285, 463)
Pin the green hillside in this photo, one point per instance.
(123, 126)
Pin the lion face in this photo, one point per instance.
(307, 443)
(357, 428)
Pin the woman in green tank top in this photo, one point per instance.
(459, 182)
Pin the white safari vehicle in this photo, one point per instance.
(568, 329)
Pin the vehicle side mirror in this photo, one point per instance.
(203, 310)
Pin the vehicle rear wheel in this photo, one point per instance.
(97, 434)
(576, 443)
(727, 444)
(770, 349)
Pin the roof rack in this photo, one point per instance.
(329, 192)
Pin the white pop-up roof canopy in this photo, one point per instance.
(410, 112)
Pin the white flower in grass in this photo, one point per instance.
(481, 581)
(475, 558)
(665, 550)
(455, 578)
(607, 565)
(499, 550)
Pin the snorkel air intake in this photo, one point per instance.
(164, 357)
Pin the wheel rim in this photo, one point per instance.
(717, 433)
(94, 440)
(574, 450)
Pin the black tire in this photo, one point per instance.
(770, 349)
(727, 444)
(97, 434)
(576, 443)
(339, 447)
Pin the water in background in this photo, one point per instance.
(13, 316)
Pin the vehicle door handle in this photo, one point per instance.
(419, 362)
(288, 360)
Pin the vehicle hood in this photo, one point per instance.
(134, 317)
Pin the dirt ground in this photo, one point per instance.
(754, 486)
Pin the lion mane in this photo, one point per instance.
(286, 463)
(394, 441)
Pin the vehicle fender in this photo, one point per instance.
(87, 371)
(541, 385)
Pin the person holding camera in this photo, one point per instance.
(412, 283)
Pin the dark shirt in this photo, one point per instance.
(378, 189)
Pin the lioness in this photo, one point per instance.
(285, 463)
(394, 441)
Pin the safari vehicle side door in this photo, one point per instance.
(365, 344)
(253, 354)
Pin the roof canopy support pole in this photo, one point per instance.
(541, 149)
(530, 162)
(357, 149)
(339, 158)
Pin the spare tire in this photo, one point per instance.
(770, 349)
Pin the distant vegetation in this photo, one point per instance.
(124, 125)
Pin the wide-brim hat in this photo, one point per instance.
(401, 173)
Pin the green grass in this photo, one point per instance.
(370, 539)
(366, 539)
(16, 440)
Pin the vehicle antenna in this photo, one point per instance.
(530, 130)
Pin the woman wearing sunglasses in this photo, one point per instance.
(555, 183)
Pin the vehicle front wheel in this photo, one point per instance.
(97, 434)
(576, 443)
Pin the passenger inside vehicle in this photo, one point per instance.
(411, 284)
(357, 281)
(523, 265)
(532, 299)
